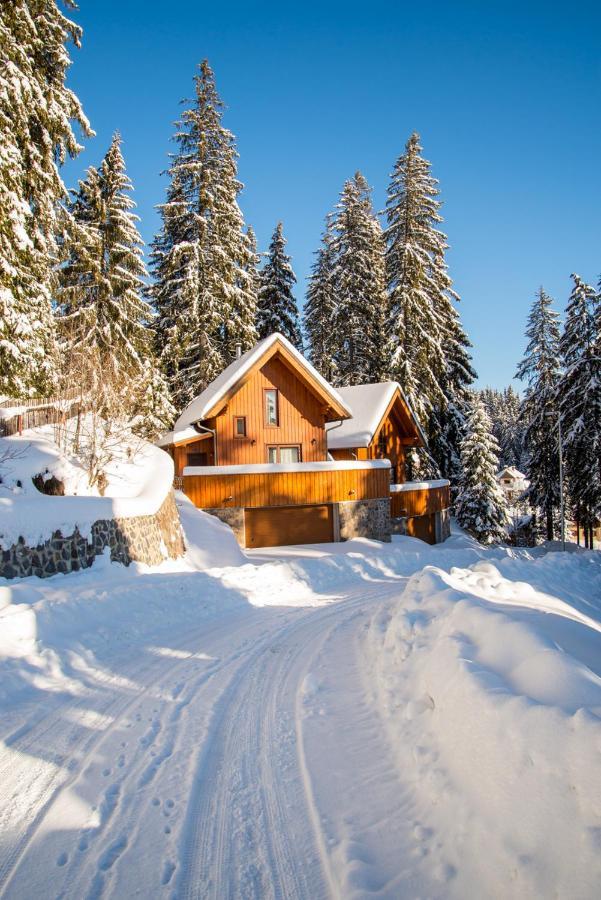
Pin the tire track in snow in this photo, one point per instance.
(239, 838)
(75, 739)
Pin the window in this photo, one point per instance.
(197, 459)
(239, 426)
(271, 407)
(284, 454)
(289, 454)
(382, 444)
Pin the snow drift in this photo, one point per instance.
(491, 692)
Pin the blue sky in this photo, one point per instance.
(506, 97)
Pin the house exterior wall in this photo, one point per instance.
(301, 421)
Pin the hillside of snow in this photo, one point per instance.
(332, 720)
(138, 478)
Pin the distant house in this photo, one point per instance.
(513, 483)
(383, 426)
(282, 457)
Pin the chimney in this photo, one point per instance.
(238, 351)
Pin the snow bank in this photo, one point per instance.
(491, 690)
(139, 479)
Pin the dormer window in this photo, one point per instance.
(271, 407)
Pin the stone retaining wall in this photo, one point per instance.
(146, 539)
(364, 518)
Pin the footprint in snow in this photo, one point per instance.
(63, 859)
(168, 870)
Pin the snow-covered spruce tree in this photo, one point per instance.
(430, 349)
(359, 284)
(100, 304)
(276, 307)
(36, 116)
(480, 507)
(579, 395)
(503, 409)
(539, 413)
(320, 308)
(203, 261)
(153, 410)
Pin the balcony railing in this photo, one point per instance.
(419, 498)
(296, 484)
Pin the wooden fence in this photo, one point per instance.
(31, 412)
(292, 488)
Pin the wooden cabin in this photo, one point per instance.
(283, 458)
(383, 426)
(269, 406)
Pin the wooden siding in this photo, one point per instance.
(421, 502)
(398, 432)
(285, 488)
(281, 525)
(301, 419)
(422, 527)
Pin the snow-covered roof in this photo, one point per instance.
(368, 402)
(179, 437)
(512, 472)
(204, 405)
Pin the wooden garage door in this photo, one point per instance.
(276, 526)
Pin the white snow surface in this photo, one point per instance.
(136, 486)
(177, 437)
(335, 720)
(264, 468)
(419, 485)
(368, 403)
(199, 408)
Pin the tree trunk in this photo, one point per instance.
(549, 523)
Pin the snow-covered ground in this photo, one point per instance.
(351, 720)
(138, 478)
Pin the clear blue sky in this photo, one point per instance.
(506, 97)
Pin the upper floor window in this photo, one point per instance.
(271, 407)
(240, 426)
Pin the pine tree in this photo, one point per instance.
(153, 407)
(36, 136)
(276, 307)
(541, 368)
(504, 410)
(203, 261)
(430, 349)
(579, 395)
(100, 295)
(481, 506)
(359, 285)
(320, 309)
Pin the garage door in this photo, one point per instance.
(277, 526)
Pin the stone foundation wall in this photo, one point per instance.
(234, 517)
(147, 539)
(364, 518)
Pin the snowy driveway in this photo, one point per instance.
(414, 722)
(210, 765)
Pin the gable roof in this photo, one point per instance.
(369, 403)
(512, 472)
(216, 395)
